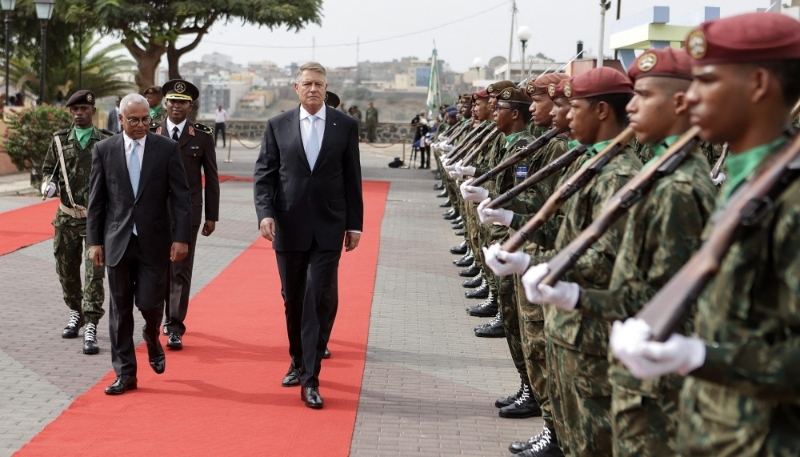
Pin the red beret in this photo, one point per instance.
(672, 63)
(558, 90)
(752, 37)
(540, 84)
(599, 81)
(481, 94)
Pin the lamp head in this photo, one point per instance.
(44, 9)
(524, 33)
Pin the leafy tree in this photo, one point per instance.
(29, 134)
(150, 28)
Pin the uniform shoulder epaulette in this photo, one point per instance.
(154, 125)
(63, 132)
(204, 128)
(106, 132)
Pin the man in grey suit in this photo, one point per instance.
(137, 181)
(112, 123)
(308, 200)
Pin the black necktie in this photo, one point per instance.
(175, 133)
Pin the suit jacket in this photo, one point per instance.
(322, 203)
(112, 123)
(113, 209)
(198, 153)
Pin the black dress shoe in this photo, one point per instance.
(465, 261)
(155, 354)
(492, 329)
(174, 341)
(486, 308)
(326, 354)
(458, 226)
(310, 395)
(438, 186)
(75, 323)
(446, 204)
(480, 292)
(472, 283)
(460, 249)
(292, 378)
(451, 216)
(442, 194)
(525, 406)
(473, 270)
(121, 384)
(461, 233)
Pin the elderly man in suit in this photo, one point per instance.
(137, 181)
(308, 200)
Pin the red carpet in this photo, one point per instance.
(23, 227)
(221, 395)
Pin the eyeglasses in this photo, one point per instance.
(133, 121)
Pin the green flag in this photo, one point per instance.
(434, 88)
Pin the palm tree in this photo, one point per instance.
(104, 72)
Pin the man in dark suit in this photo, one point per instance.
(308, 201)
(197, 152)
(137, 181)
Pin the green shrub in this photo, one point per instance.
(30, 132)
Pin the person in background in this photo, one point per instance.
(112, 123)
(219, 124)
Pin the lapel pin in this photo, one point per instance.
(334, 123)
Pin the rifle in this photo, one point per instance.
(544, 173)
(518, 156)
(451, 132)
(467, 141)
(567, 190)
(621, 202)
(476, 150)
(746, 208)
(459, 130)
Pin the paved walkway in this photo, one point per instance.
(429, 385)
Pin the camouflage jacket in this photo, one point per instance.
(593, 269)
(79, 166)
(372, 116)
(746, 394)
(662, 232)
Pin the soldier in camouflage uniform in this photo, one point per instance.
(740, 397)
(511, 117)
(77, 143)
(158, 112)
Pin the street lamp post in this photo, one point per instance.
(8, 7)
(477, 63)
(524, 34)
(44, 10)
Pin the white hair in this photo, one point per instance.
(132, 99)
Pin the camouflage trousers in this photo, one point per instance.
(69, 247)
(533, 350)
(644, 421)
(580, 399)
(507, 302)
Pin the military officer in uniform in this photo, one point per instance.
(158, 112)
(199, 158)
(372, 122)
(69, 162)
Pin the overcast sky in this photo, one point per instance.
(477, 28)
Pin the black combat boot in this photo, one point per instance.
(545, 446)
(470, 271)
(460, 249)
(491, 329)
(465, 261)
(473, 283)
(525, 406)
(502, 402)
(486, 308)
(480, 292)
(75, 323)
(90, 339)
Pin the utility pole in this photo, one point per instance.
(619, 10)
(358, 70)
(314, 49)
(511, 40)
(604, 5)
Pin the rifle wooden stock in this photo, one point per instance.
(494, 133)
(620, 203)
(467, 146)
(745, 209)
(568, 189)
(516, 158)
(456, 130)
(466, 140)
(718, 165)
(544, 173)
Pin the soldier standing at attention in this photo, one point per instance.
(154, 97)
(198, 152)
(372, 122)
(69, 161)
(740, 396)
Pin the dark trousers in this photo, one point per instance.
(133, 280)
(179, 286)
(219, 127)
(311, 299)
(425, 157)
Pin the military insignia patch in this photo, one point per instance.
(180, 87)
(530, 88)
(505, 94)
(89, 98)
(567, 89)
(522, 172)
(551, 89)
(490, 89)
(696, 44)
(647, 62)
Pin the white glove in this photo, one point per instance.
(504, 263)
(563, 295)
(490, 216)
(471, 193)
(445, 160)
(447, 147)
(465, 171)
(648, 359)
(455, 174)
(719, 180)
(449, 168)
(48, 189)
(531, 280)
(626, 335)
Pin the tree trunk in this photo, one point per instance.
(173, 60)
(147, 61)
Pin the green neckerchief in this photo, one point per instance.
(661, 148)
(739, 166)
(154, 111)
(83, 136)
(597, 147)
(510, 138)
(573, 144)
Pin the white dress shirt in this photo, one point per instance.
(221, 116)
(140, 150)
(171, 126)
(305, 125)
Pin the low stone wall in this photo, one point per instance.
(387, 132)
